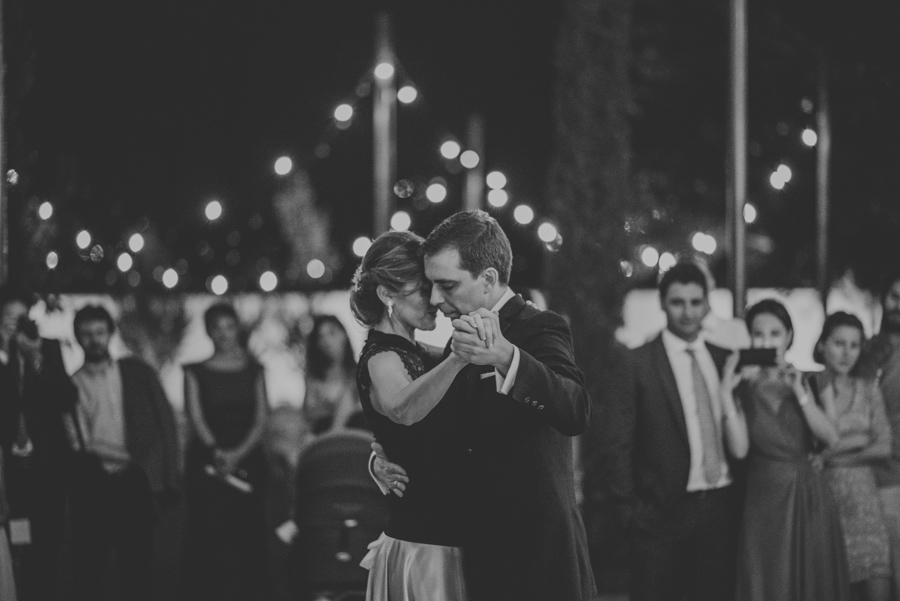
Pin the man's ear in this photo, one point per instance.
(491, 278)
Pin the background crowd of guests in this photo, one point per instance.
(89, 463)
(734, 480)
(742, 478)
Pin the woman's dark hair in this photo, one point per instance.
(218, 311)
(833, 322)
(393, 261)
(317, 362)
(90, 313)
(685, 272)
(770, 306)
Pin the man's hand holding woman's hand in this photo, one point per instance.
(477, 339)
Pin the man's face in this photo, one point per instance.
(891, 315)
(456, 291)
(94, 336)
(685, 305)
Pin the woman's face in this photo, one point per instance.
(767, 331)
(332, 341)
(224, 332)
(413, 309)
(841, 349)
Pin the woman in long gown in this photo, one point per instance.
(226, 404)
(401, 387)
(790, 544)
(857, 409)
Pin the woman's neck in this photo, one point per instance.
(235, 353)
(838, 380)
(335, 371)
(391, 326)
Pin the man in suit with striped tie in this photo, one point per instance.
(666, 455)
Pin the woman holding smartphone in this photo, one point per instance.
(790, 544)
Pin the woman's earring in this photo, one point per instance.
(390, 309)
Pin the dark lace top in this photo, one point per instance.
(431, 451)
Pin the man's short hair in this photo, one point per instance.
(478, 238)
(685, 272)
(90, 313)
(891, 277)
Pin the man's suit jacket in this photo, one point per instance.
(45, 399)
(647, 459)
(150, 434)
(526, 539)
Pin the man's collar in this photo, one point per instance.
(675, 343)
(503, 300)
(99, 367)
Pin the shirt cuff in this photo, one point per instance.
(504, 385)
(381, 486)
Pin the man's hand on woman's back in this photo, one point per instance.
(391, 475)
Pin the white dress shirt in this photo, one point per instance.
(504, 385)
(680, 360)
(101, 413)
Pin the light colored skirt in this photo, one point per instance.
(862, 520)
(7, 583)
(403, 571)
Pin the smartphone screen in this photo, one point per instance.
(757, 356)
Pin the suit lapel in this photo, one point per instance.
(670, 387)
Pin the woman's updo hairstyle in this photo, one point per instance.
(393, 261)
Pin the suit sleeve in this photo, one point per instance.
(617, 446)
(166, 423)
(548, 381)
(54, 383)
(9, 407)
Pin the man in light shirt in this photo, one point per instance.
(125, 421)
(666, 460)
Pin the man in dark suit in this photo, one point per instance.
(36, 403)
(525, 399)
(667, 465)
(127, 424)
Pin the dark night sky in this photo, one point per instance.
(155, 108)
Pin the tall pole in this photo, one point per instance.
(384, 123)
(4, 211)
(475, 176)
(737, 164)
(823, 160)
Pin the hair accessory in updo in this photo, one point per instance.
(393, 261)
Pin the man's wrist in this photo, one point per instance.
(507, 354)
